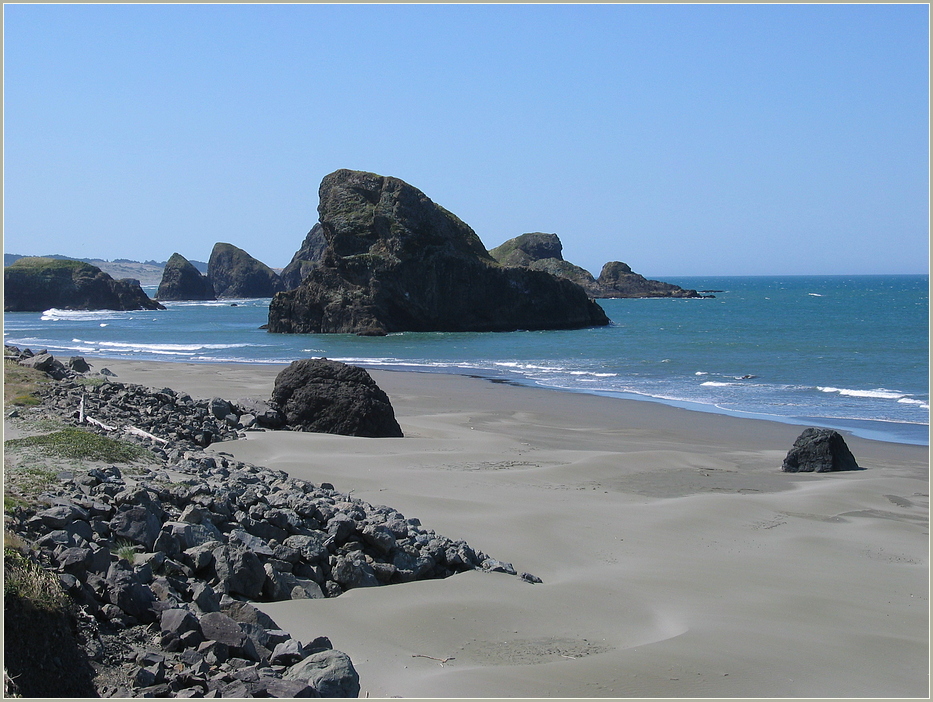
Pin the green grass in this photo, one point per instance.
(40, 262)
(80, 444)
(126, 550)
(27, 580)
(29, 478)
(21, 384)
(11, 503)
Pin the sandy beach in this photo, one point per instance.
(677, 559)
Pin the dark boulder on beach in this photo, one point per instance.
(234, 273)
(306, 258)
(182, 281)
(819, 451)
(35, 284)
(396, 261)
(331, 397)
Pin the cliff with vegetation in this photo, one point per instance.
(37, 284)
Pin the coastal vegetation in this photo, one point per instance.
(80, 445)
(21, 384)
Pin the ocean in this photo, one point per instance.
(847, 352)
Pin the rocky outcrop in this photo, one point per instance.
(306, 258)
(234, 273)
(395, 261)
(543, 252)
(38, 284)
(618, 280)
(182, 281)
(331, 397)
(526, 249)
(819, 451)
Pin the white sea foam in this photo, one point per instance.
(911, 401)
(56, 315)
(717, 384)
(878, 393)
(159, 348)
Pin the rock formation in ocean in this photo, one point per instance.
(819, 451)
(182, 281)
(306, 258)
(34, 284)
(319, 395)
(543, 252)
(395, 261)
(618, 280)
(234, 273)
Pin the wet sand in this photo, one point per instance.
(677, 559)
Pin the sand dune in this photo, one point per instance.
(677, 560)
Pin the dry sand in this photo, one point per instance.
(677, 560)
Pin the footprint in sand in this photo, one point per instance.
(530, 651)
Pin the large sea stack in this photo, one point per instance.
(34, 284)
(395, 261)
(306, 258)
(182, 281)
(234, 273)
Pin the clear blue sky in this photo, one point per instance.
(681, 139)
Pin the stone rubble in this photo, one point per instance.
(179, 550)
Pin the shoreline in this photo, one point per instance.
(677, 559)
(906, 433)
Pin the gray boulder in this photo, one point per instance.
(819, 451)
(125, 590)
(239, 572)
(217, 626)
(136, 523)
(331, 673)
(331, 397)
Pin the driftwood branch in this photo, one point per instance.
(98, 423)
(442, 661)
(145, 434)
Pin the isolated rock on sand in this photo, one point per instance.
(330, 397)
(819, 451)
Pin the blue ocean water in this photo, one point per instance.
(850, 352)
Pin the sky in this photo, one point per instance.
(681, 139)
